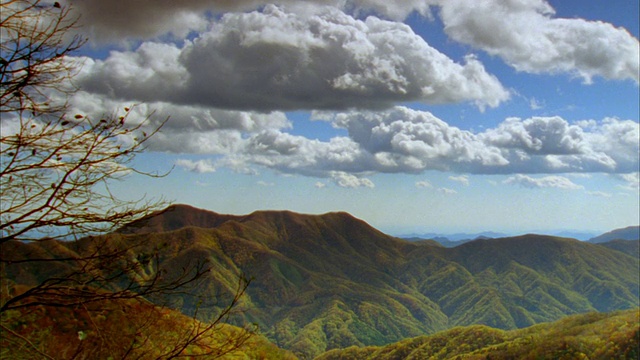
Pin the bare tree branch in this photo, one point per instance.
(56, 169)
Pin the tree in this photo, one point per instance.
(55, 168)
(55, 171)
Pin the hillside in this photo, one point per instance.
(331, 281)
(121, 329)
(629, 247)
(628, 233)
(591, 336)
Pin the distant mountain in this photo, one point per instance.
(437, 241)
(580, 235)
(330, 281)
(628, 233)
(440, 237)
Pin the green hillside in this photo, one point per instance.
(590, 336)
(331, 281)
(629, 247)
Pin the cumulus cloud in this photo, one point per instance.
(525, 34)
(185, 128)
(396, 140)
(423, 184)
(275, 59)
(118, 20)
(552, 181)
(406, 140)
(555, 145)
(402, 140)
(347, 180)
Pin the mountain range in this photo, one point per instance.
(322, 282)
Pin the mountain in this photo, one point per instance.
(454, 238)
(629, 247)
(589, 336)
(628, 233)
(442, 241)
(321, 282)
(119, 329)
(580, 235)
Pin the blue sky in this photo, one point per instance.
(415, 116)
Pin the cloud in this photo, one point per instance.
(462, 179)
(320, 185)
(346, 180)
(537, 135)
(200, 166)
(534, 104)
(401, 140)
(632, 181)
(555, 145)
(396, 140)
(526, 35)
(423, 184)
(447, 191)
(406, 140)
(185, 128)
(599, 194)
(276, 59)
(553, 181)
(123, 20)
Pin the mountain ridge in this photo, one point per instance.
(331, 280)
(627, 233)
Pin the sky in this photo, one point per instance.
(415, 116)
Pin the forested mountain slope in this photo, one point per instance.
(590, 336)
(332, 281)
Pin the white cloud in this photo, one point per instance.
(264, 183)
(534, 104)
(525, 34)
(401, 140)
(462, 179)
(632, 181)
(423, 184)
(276, 59)
(346, 180)
(200, 166)
(552, 144)
(599, 194)
(552, 135)
(320, 185)
(406, 140)
(552, 181)
(447, 191)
